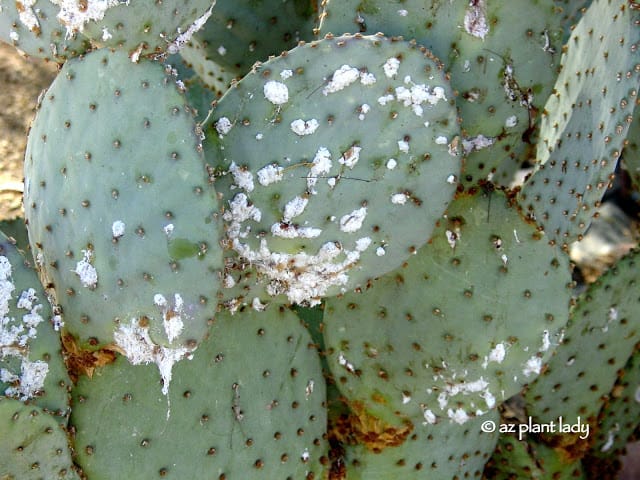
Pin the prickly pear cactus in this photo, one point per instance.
(33, 28)
(31, 362)
(520, 455)
(599, 339)
(58, 30)
(249, 404)
(617, 419)
(429, 451)
(119, 209)
(242, 32)
(322, 251)
(585, 121)
(379, 342)
(501, 59)
(34, 445)
(333, 163)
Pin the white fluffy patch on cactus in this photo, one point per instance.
(417, 94)
(27, 14)
(304, 127)
(452, 238)
(429, 417)
(511, 121)
(171, 315)
(276, 92)
(30, 381)
(497, 355)
(257, 305)
(117, 229)
(85, 271)
(533, 366)
(473, 144)
(459, 415)
(455, 386)
(391, 67)
(184, 37)
(352, 222)
(350, 157)
(223, 125)
(363, 110)
(139, 348)
(239, 212)
(15, 336)
(270, 174)
(286, 230)
(303, 278)
(342, 360)
(475, 19)
(363, 243)
(294, 208)
(341, 78)
(321, 165)
(399, 198)
(75, 15)
(242, 177)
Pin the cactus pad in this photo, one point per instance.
(250, 405)
(585, 121)
(334, 160)
(446, 451)
(242, 32)
(32, 27)
(460, 327)
(600, 337)
(120, 213)
(33, 446)
(31, 363)
(500, 55)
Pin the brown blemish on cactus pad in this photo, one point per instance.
(83, 362)
(362, 428)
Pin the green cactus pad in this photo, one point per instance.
(500, 55)
(249, 405)
(461, 326)
(15, 230)
(120, 214)
(334, 161)
(204, 80)
(33, 446)
(31, 363)
(621, 413)
(242, 32)
(32, 27)
(443, 451)
(586, 120)
(522, 456)
(141, 27)
(600, 336)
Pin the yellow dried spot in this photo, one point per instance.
(569, 446)
(362, 428)
(83, 362)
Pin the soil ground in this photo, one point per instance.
(21, 81)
